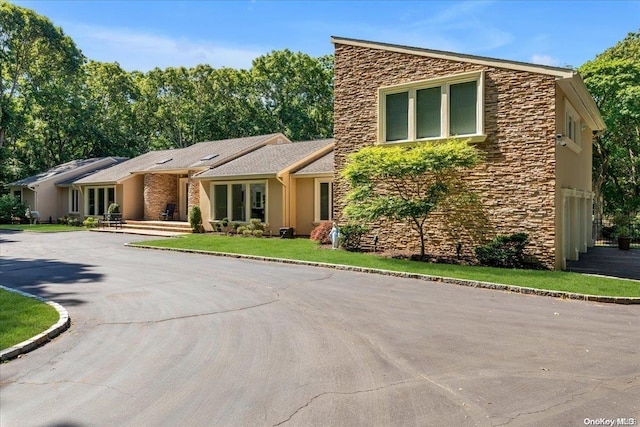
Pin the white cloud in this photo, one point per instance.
(135, 50)
(544, 60)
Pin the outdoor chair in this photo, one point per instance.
(168, 212)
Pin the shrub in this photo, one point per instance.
(75, 222)
(246, 232)
(258, 233)
(351, 236)
(321, 233)
(63, 220)
(11, 207)
(241, 229)
(89, 222)
(504, 251)
(195, 218)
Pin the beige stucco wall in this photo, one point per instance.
(573, 191)
(275, 197)
(305, 200)
(516, 180)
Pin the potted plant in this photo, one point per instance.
(624, 237)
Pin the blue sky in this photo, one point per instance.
(141, 35)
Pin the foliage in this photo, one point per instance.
(321, 233)
(255, 228)
(89, 222)
(504, 251)
(195, 218)
(11, 207)
(307, 250)
(613, 78)
(55, 106)
(351, 236)
(405, 183)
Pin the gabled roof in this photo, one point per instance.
(68, 171)
(568, 79)
(198, 156)
(207, 154)
(271, 160)
(123, 170)
(323, 165)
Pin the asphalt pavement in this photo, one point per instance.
(165, 339)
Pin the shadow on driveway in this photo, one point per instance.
(35, 275)
(608, 261)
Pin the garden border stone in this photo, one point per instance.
(63, 323)
(439, 279)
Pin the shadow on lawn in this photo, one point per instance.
(35, 275)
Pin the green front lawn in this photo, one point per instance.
(307, 250)
(40, 228)
(22, 318)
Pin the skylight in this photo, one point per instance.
(163, 161)
(209, 157)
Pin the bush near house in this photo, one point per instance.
(504, 251)
(351, 236)
(321, 233)
(11, 208)
(195, 219)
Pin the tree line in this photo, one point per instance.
(56, 105)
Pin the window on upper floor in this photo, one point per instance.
(432, 109)
(572, 123)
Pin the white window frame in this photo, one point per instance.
(572, 123)
(247, 202)
(74, 199)
(316, 204)
(106, 199)
(444, 83)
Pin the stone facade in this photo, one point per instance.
(516, 180)
(194, 191)
(159, 189)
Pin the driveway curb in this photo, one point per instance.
(63, 323)
(440, 279)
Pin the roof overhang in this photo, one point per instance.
(579, 96)
(229, 178)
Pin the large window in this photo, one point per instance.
(432, 109)
(74, 201)
(98, 199)
(323, 200)
(239, 201)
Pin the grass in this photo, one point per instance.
(307, 250)
(40, 228)
(22, 318)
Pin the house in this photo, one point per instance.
(51, 194)
(533, 124)
(283, 184)
(144, 185)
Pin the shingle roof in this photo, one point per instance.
(61, 170)
(205, 154)
(323, 165)
(124, 169)
(268, 160)
(71, 180)
(201, 155)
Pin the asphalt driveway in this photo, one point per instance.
(164, 338)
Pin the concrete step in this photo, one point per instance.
(170, 226)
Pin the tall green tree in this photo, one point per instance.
(32, 51)
(613, 78)
(297, 93)
(405, 183)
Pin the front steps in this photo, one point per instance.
(149, 228)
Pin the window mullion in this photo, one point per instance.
(444, 111)
(412, 122)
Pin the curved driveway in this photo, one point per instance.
(165, 339)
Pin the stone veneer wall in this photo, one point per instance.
(516, 180)
(159, 189)
(194, 192)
